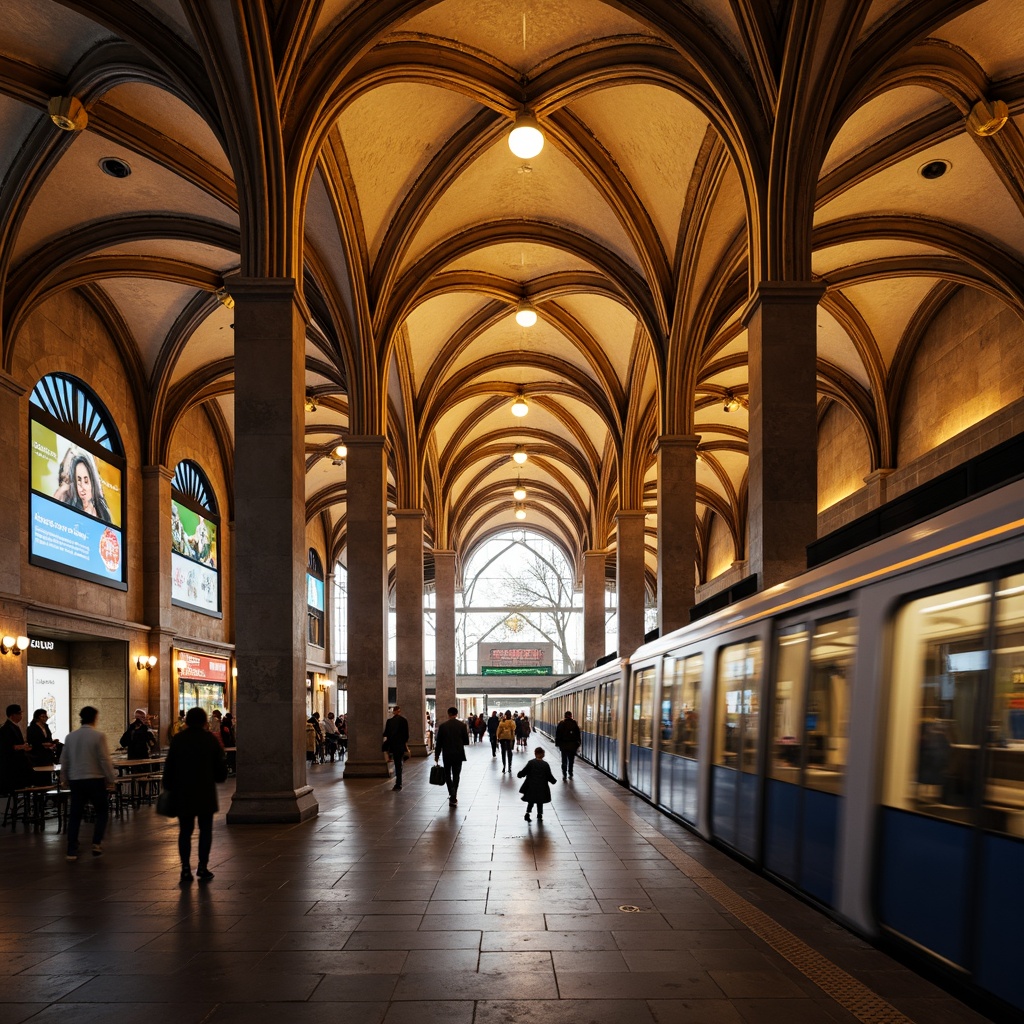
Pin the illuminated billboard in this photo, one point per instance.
(195, 580)
(77, 503)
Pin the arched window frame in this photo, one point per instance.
(315, 635)
(195, 565)
(66, 419)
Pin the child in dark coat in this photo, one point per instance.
(537, 787)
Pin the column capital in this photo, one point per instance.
(408, 513)
(781, 292)
(266, 289)
(157, 472)
(677, 441)
(366, 441)
(631, 513)
(442, 552)
(878, 474)
(8, 383)
(595, 553)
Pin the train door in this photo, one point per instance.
(641, 732)
(588, 724)
(951, 852)
(679, 750)
(608, 726)
(806, 759)
(734, 777)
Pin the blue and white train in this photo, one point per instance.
(856, 733)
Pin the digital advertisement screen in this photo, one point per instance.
(195, 582)
(314, 592)
(76, 507)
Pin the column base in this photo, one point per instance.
(375, 768)
(286, 807)
(418, 749)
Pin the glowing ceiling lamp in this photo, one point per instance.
(340, 451)
(519, 406)
(519, 455)
(732, 403)
(520, 492)
(526, 139)
(520, 512)
(526, 315)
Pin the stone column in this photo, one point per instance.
(677, 535)
(156, 591)
(270, 553)
(409, 624)
(781, 322)
(594, 590)
(366, 518)
(629, 579)
(445, 691)
(14, 447)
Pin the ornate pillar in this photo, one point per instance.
(270, 552)
(677, 536)
(444, 634)
(13, 435)
(594, 589)
(156, 591)
(629, 579)
(366, 542)
(781, 322)
(409, 624)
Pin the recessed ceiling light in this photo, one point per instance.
(934, 169)
(114, 167)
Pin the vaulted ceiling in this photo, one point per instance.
(637, 233)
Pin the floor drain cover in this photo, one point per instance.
(627, 909)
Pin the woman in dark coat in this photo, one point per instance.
(537, 787)
(39, 735)
(195, 764)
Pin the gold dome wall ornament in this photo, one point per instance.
(67, 113)
(986, 118)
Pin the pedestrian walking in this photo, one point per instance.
(568, 739)
(86, 765)
(492, 732)
(536, 788)
(396, 739)
(195, 764)
(452, 740)
(506, 734)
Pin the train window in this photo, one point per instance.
(680, 705)
(788, 713)
(643, 709)
(588, 709)
(739, 699)
(1004, 789)
(942, 661)
(827, 720)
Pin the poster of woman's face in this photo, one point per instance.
(68, 473)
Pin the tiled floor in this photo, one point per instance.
(392, 907)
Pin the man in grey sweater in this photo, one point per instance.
(89, 773)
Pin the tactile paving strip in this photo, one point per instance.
(852, 995)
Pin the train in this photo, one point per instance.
(856, 734)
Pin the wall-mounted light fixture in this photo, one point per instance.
(13, 644)
(526, 315)
(145, 661)
(234, 671)
(339, 452)
(519, 456)
(67, 113)
(519, 406)
(526, 139)
(224, 298)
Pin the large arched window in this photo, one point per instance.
(77, 479)
(195, 538)
(315, 599)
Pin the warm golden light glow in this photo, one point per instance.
(526, 315)
(520, 512)
(519, 406)
(519, 455)
(526, 139)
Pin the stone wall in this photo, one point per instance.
(844, 458)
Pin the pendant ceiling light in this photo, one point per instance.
(520, 492)
(519, 406)
(732, 403)
(526, 139)
(340, 451)
(520, 512)
(526, 315)
(519, 455)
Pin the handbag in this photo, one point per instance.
(165, 804)
(437, 775)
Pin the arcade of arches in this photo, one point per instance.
(775, 249)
